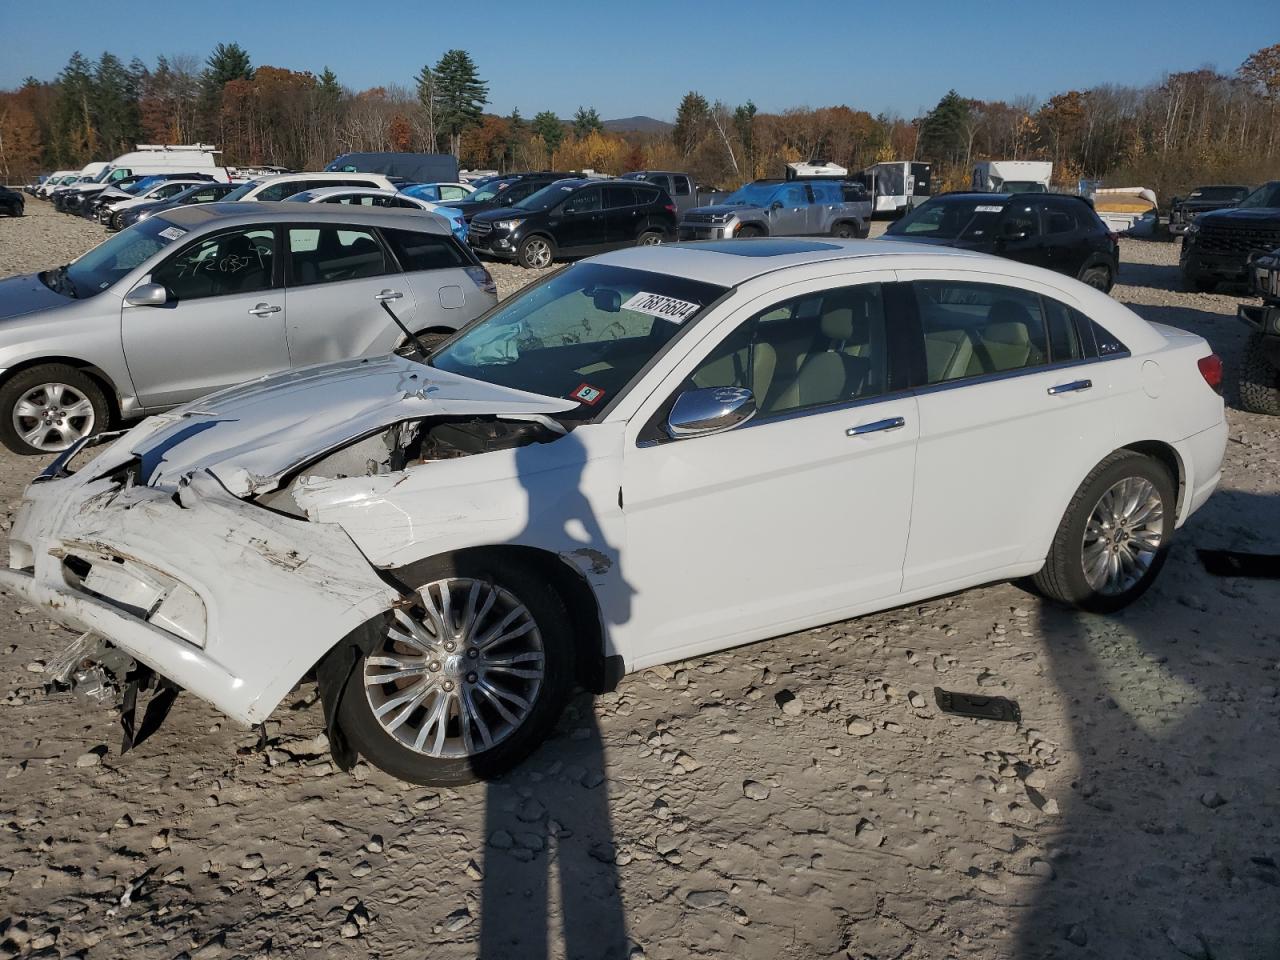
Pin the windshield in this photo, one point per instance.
(583, 334)
(110, 260)
(489, 190)
(1267, 195)
(1217, 193)
(548, 196)
(949, 219)
(241, 190)
(752, 195)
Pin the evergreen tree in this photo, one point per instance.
(585, 120)
(692, 117)
(942, 135)
(744, 123)
(115, 104)
(229, 61)
(330, 90)
(548, 126)
(75, 139)
(459, 96)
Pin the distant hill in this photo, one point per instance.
(637, 125)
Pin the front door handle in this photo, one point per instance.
(893, 423)
(263, 310)
(384, 295)
(1071, 387)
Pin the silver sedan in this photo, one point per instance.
(203, 297)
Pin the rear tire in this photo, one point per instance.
(1114, 536)
(501, 589)
(1259, 379)
(651, 238)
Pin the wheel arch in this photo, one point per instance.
(1167, 455)
(91, 370)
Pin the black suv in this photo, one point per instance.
(1202, 200)
(1059, 232)
(1217, 246)
(11, 202)
(505, 191)
(1259, 369)
(575, 218)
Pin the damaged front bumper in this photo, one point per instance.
(226, 599)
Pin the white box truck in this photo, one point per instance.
(1012, 176)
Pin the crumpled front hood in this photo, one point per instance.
(252, 435)
(26, 294)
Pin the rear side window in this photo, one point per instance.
(619, 197)
(423, 251)
(448, 192)
(1059, 220)
(978, 329)
(1065, 326)
(331, 255)
(826, 193)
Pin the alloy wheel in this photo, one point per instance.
(651, 240)
(538, 252)
(457, 673)
(1123, 535)
(53, 416)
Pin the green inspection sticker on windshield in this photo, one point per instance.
(656, 305)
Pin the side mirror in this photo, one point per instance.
(147, 295)
(707, 410)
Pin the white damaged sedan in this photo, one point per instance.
(650, 455)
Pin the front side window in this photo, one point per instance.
(238, 261)
(1021, 222)
(976, 329)
(584, 201)
(282, 190)
(583, 334)
(806, 352)
(793, 197)
(682, 187)
(333, 254)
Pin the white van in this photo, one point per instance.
(158, 158)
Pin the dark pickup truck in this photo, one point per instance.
(1203, 200)
(1218, 246)
(1259, 371)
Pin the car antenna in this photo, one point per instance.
(422, 351)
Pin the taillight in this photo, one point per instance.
(670, 208)
(1211, 370)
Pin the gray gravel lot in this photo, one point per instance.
(800, 798)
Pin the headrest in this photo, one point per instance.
(837, 324)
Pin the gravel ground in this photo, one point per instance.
(800, 798)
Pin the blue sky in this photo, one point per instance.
(641, 58)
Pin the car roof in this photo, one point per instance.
(234, 214)
(728, 263)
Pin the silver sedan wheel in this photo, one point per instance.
(538, 252)
(1123, 535)
(52, 416)
(458, 673)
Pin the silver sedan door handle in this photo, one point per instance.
(1071, 387)
(385, 295)
(893, 423)
(263, 310)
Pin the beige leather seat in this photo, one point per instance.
(1004, 343)
(827, 375)
(731, 370)
(948, 354)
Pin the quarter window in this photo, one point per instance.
(331, 255)
(229, 263)
(975, 329)
(806, 352)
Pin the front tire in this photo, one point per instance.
(48, 408)
(536, 252)
(466, 683)
(1098, 276)
(1114, 537)
(843, 230)
(747, 232)
(1259, 379)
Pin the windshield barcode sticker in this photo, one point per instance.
(656, 305)
(987, 209)
(172, 233)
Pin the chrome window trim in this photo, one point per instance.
(928, 388)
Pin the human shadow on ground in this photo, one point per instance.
(1169, 836)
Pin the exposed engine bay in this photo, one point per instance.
(412, 443)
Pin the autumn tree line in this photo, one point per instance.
(1200, 125)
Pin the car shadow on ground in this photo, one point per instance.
(1170, 834)
(550, 874)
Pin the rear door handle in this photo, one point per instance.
(1072, 387)
(263, 310)
(893, 423)
(385, 295)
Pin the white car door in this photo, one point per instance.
(338, 279)
(794, 518)
(223, 324)
(1012, 417)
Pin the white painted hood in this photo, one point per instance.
(251, 435)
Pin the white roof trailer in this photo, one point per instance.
(1012, 176)
(897, 185)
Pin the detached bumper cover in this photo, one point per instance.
(277, 592)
